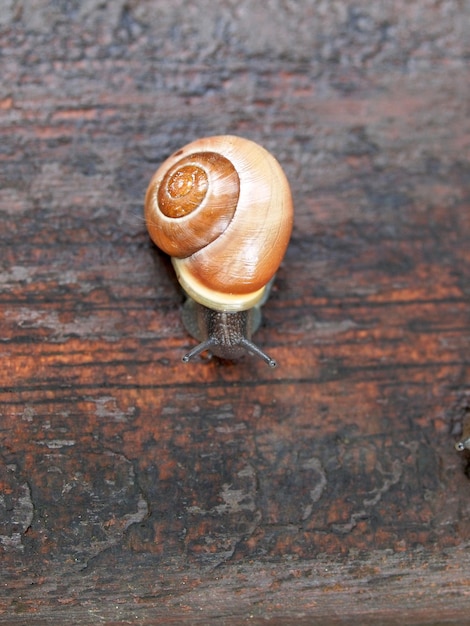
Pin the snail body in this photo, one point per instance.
(225, 334)
(221, 207)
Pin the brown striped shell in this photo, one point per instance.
(221, 207)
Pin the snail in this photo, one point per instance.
(464, 443)
(221, 207)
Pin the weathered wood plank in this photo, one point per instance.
(134, 488)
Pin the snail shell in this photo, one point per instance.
(221, 207)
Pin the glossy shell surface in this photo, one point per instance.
(222, 208)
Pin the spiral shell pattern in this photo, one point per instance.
(190, 202)
(222, 208)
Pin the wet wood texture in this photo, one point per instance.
(137, 489)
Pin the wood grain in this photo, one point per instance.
(134, 488)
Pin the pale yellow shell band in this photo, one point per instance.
(215, 299)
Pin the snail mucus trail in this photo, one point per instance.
(221, 207)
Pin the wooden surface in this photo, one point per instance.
(137, 489)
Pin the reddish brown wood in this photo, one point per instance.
(134, 488)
